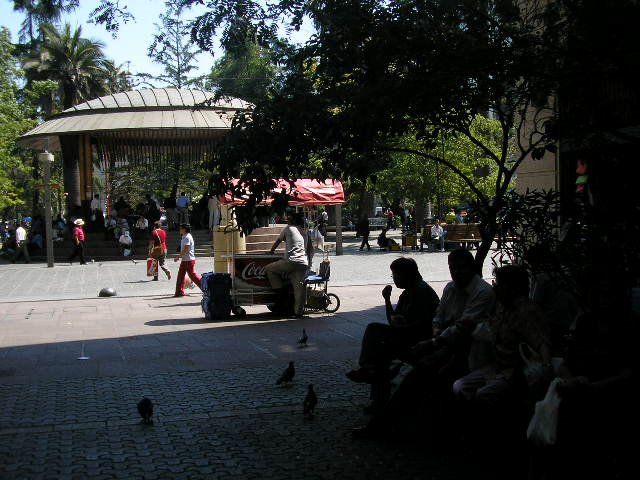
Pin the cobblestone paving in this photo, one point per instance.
(214, 424)
(218, 413)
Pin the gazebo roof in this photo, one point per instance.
(176, 112)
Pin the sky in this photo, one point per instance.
(133, 38)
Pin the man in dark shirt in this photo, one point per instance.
(407, 324)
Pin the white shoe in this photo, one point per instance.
(442, 249)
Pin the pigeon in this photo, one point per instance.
(145, 408)
(287, 375)
(310, 402)
(302, 341)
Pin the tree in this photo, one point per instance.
(12, 124)
(41, 12)
(78, 64)
(247, 75)
(412, 178)
(376, 71)
(172, 48)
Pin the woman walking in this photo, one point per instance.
(158, 248)
(187, 259)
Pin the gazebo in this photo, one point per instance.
(134, 127)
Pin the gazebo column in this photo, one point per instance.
(77, 161)
(86, 174)
(70, 145)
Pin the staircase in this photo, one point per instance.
(100, 249)
(262, 238)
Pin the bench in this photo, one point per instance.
(465, 234)
(377, 223)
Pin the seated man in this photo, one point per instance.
(407, 324)
(142, 223)
(466, 301)
(295, 264)
(383, 241)
(126, 243)
(438, 235)
(517, 320)
(110, 225)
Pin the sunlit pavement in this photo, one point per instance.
(73, 369)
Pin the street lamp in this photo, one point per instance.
(46, 159)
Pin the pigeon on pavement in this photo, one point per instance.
(310, 402)
(145, 408)
(287, 375)
(302, 341)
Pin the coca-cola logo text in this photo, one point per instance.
(253, 271)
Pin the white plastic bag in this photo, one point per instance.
(543, 427)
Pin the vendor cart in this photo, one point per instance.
(249, 284)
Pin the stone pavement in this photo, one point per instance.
(72, 371)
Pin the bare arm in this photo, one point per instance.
(275, 245)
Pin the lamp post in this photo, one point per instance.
(46, 159)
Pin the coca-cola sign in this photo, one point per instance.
(251, 269)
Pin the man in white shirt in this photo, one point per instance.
(21, 244)
(295, 264)
(438, 234)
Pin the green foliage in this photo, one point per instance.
(39, 12)
(247, 75)
(13, 123)
(76, 63)
(133, 182)
(411, 178)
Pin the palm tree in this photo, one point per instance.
(80, 68)
(77, 63)
(39, 12)
(116, 78)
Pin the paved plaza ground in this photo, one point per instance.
(73, 366)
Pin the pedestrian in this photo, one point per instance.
(182, 204)
(78, 238)
(214, 212)
(158, 248)
(390, 219)
(364, 229)
(187, 259)
(21, 244)
(323, 221)
(169, 205)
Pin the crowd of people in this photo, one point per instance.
(453, 366)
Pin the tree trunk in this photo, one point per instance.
(488, 232)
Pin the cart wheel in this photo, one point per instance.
(333, 303)
(239, 312)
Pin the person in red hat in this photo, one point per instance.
(78, 238)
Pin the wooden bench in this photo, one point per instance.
(465, 234)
